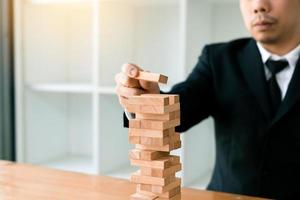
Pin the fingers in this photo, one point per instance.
(150, 87)
(127, 85)
(123, 101)
(123, 79)
(131, 70)
(126, 92)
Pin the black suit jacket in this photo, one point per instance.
(257, 154)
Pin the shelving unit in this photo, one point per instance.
(67, 54)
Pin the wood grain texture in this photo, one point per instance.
(146, 155)
(140, 179)
(161, 163)
(28, 182)
(152, 77)
(150, 171)
(151, 133)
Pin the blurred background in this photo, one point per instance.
(58, 59)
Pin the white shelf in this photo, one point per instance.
(73, 163)
(77, 88)
(58, 1)
(106, 90)
(62, 87)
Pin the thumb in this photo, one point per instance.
(131, 70)
(151, 87)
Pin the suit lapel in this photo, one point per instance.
(292, 95)
(253, 71)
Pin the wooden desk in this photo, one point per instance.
(27, 182)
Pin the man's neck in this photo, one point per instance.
(282, 48)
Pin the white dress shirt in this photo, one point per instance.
(283, 77)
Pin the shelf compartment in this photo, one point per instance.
(62, 87)
(57, 125)
(74, 163)
(56, 43)
(113, 139)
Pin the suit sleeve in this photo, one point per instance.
(196, 95)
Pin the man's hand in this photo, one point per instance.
(128, 86)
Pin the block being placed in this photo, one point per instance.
(152, 77)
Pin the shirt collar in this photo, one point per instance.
(291, 57)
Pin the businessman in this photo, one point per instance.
(251, 88)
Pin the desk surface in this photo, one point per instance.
(27, 182)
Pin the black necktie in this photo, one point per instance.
(275, 92)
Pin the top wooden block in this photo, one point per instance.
(152, 77)
(173, 98)
(149, 100)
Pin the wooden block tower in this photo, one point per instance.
(154, 136)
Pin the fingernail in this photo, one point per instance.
(133, 72)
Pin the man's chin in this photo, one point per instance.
(265, 39)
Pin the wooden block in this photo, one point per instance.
(171, 193)
(148, 171)
(139, 179)
(167, 195)
(137, 154)
(169, 147)
(134, 140)
(154, 141)
(173, 98)
(143, 196)
(134, 123)
(158, 125)
(176, 137)
(167, 116)
(166, 148)
(160, 189)
(159, 142)
(149, 100)
(132, 108)
(150, 109)
(161, 163)
(152, 77)
(151, 133)
(176, 197)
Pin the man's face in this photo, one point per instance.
(271, 21)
